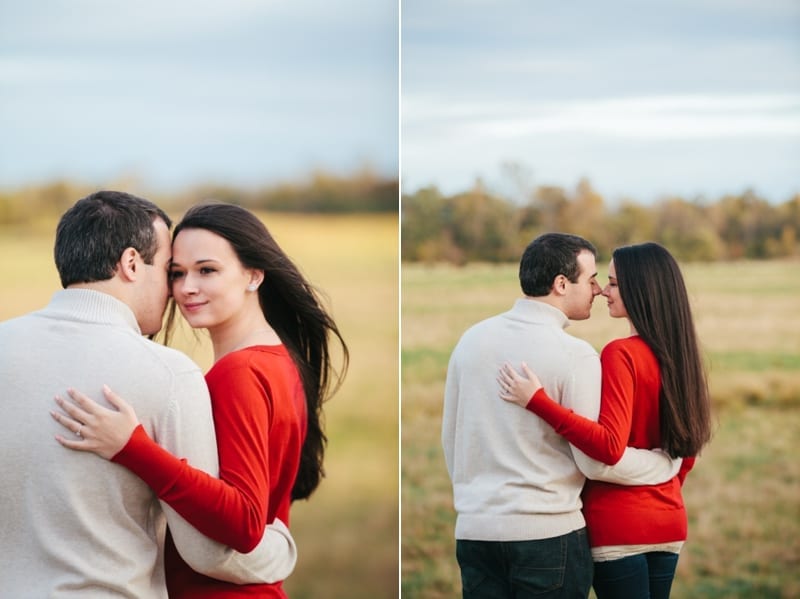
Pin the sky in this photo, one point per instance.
(240, 92)
(694, 98)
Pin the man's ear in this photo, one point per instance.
(128, 263)
(560, 285)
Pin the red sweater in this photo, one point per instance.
(629, 416)
(260, 419)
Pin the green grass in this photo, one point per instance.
(742, 497)
(754, 361)
(348, 532)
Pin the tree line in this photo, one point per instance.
(478, 225)
(321, 192)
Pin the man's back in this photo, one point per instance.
(513, 477)
(72, 524)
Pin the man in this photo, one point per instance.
(516, 483)
(72, 524)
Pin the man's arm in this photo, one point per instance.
(272, 560)
(188, 431)
(449, 415)
(637, 466)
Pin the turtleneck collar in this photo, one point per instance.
(531, 310)
(87, 305)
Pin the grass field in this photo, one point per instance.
(743, 497)
(347, 533)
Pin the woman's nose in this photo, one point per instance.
(186, 285)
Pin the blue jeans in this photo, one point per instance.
(559, 567)
(645, 576)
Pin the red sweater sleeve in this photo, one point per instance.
(686, 465)
(232, 509)
(606, 439)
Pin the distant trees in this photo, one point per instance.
(479, 226)
(364, 191)
(469, 226)
(30, 205)
(321, 192)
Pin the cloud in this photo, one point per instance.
(654, 117)
(687, 96)
(243, 89)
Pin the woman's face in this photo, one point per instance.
(209, 283)
(616, 307)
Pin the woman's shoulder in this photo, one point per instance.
(257, 357)
(625, 345)
(632, 351)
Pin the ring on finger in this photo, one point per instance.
(78, 432)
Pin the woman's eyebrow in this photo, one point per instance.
(196, 262)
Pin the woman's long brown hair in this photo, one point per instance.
(292, 307)
(654, 293)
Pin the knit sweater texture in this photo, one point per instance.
(259, 413)
(73, 524)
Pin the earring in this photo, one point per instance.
(252, 287)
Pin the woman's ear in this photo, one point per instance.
(127, 265)
(256, 278)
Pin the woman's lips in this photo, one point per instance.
(193, 306)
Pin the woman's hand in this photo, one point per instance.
(518, 388)
(96, 428)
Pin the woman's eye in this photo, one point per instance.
(175, 275)
(206, 270)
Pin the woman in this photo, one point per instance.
(654, 394)
(272, 371)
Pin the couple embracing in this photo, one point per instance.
(192, 498)
(567, 466)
